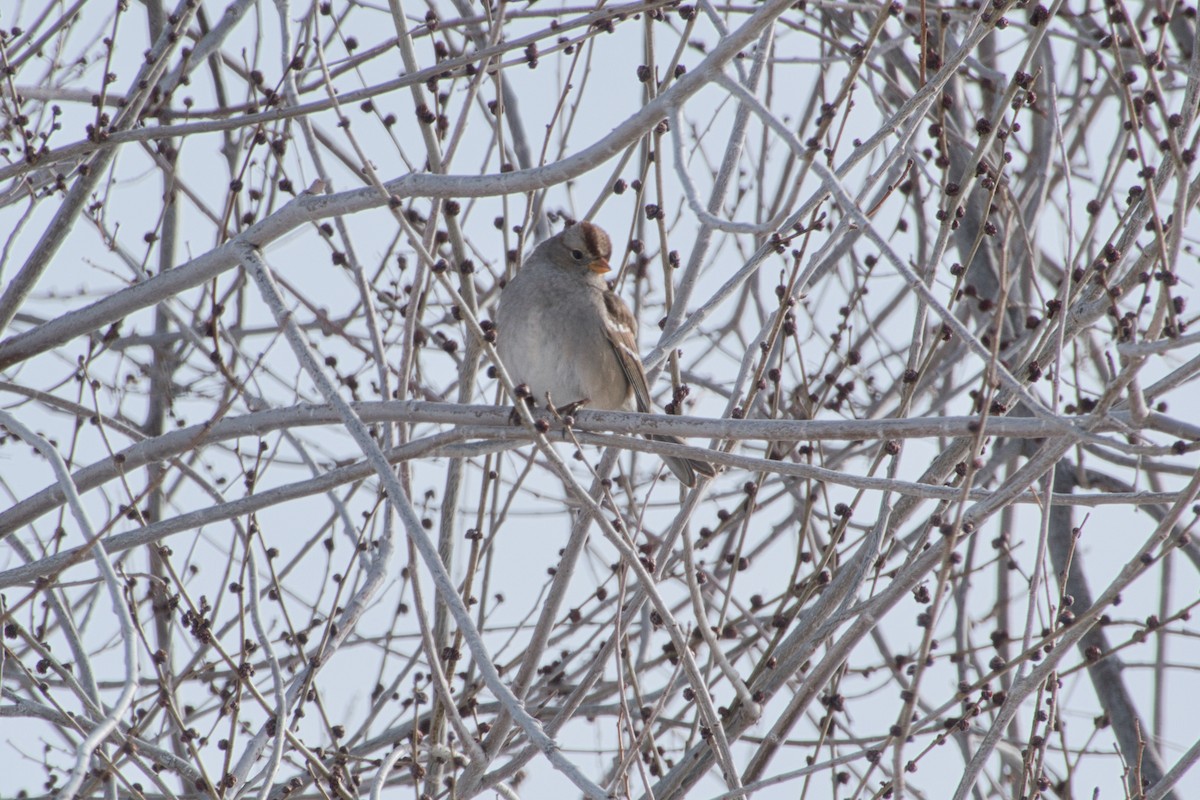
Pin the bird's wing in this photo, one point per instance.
(620, 328)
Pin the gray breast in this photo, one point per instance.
(559, 346)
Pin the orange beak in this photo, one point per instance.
(599, 266)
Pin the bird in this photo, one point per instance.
(562, 331)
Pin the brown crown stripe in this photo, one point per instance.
(596, 240)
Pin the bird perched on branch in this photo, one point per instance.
(562, 331)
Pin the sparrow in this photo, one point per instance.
(562, 331)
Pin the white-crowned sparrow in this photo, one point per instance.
(563, 331)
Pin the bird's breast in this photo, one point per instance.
(560, 349)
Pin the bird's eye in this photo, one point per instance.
(577, 255)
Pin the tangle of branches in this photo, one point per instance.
(914, 278)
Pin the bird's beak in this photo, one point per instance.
(599, 266)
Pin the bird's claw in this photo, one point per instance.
(514, 418)
(569, 409)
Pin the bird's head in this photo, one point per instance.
(582, 248)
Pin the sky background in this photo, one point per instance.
(566, 103)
